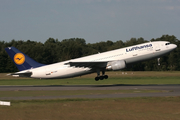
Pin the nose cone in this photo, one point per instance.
(174, 46)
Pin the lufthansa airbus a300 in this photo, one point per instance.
(99, 63)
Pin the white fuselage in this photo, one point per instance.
(130, 54)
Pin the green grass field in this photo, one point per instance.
(138, 108)
(151, 108)
(118, 77)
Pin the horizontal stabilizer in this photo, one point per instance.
(25, 74)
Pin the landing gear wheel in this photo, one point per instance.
(101, 77)
(96, 78)
(106, 76)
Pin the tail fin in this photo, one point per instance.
(22, 61)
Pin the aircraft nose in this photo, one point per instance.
(174, 46)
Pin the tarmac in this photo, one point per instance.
(168, 90)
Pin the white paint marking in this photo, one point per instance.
(5, 103)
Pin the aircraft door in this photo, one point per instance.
(134, 53)
(47, 71)
(157, 47)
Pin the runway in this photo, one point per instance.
(169, 90)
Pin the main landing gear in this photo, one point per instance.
(101, 77)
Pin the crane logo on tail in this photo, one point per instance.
(19, 58)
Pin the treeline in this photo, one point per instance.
(53, 51)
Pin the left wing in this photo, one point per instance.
(89, 64)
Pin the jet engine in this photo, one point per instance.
(116, 65)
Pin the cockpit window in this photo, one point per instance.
(167, 43)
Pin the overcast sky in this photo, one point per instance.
(93, 20)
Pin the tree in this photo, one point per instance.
(53, 51)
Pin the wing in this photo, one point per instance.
(88, 64)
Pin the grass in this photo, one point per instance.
(117, 77)
(151, 108)
(138, 108)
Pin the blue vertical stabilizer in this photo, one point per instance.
(22, 61)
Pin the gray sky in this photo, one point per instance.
(93, 20)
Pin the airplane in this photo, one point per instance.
(100, 62)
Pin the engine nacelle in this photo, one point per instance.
(116, 65)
